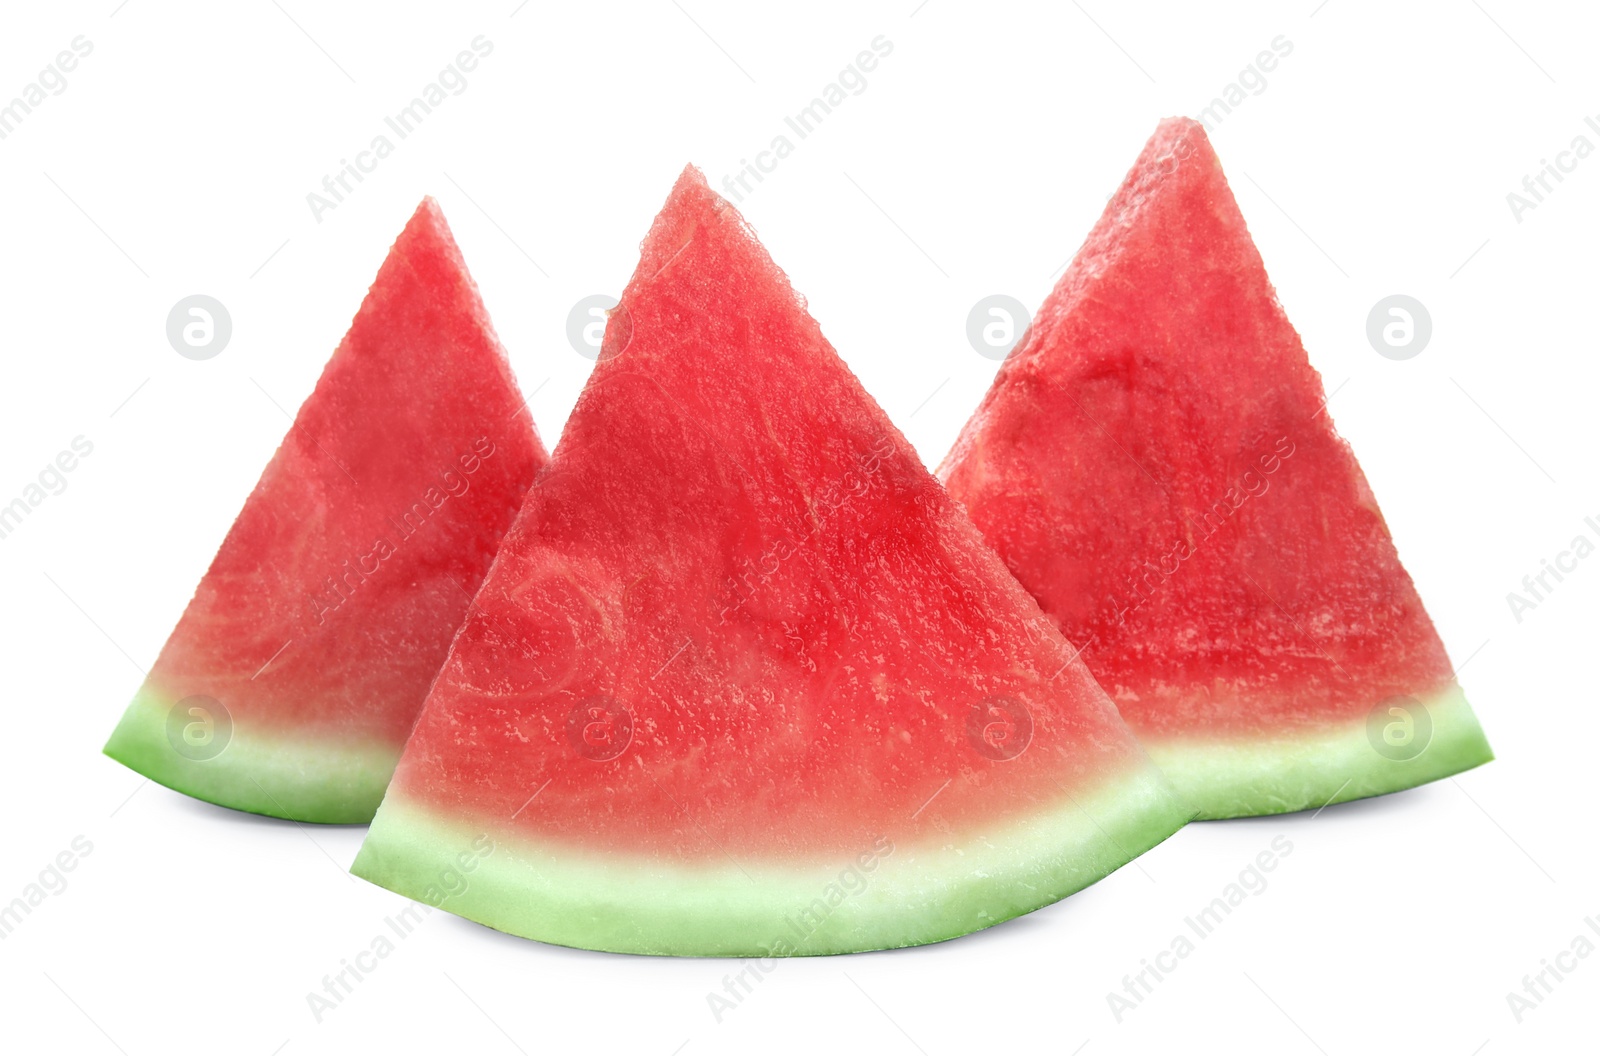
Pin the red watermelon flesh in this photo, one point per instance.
(743, 679)
(1155, 463)
(297, 670)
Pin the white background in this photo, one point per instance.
(1377, 160)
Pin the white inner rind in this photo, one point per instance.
(1252, 775)
(915, 885)
(304, 778)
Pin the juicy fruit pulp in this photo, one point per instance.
(1155, 463)
(297, 670)
(743, 679)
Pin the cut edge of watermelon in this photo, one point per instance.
(1240, 777)
(324, 782)
(914, 893)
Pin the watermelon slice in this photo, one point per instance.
(743, 679)
(296, 672)
(1155, 463)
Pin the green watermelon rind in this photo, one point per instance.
(930, 886)
(315, 780)
(1278, 774)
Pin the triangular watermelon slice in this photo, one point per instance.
(1155, 463)
(743, 679)
(299, 666)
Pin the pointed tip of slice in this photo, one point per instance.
(427, 222)
(691, 207)
(1176, 171)
(1176, 141)
(427, 227)
(691, 176)
(674, 225)
(692, 190)
(1174, 133)
(1179, 125)
(425, 264)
